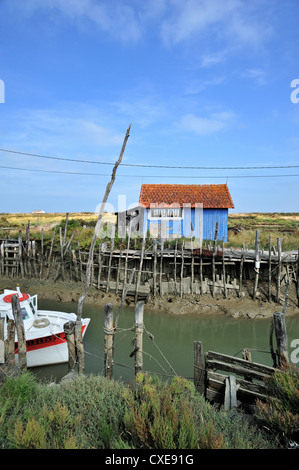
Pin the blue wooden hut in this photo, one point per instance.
(179, 210)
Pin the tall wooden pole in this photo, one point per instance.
(98, 226)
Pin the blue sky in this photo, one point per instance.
(203, 83)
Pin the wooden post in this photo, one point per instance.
(223, 270)
(161, 268)
(246, 354)
(200, 269)
(298, 278)
(257, 264)
(214, 258)
(16, 310)
(109, 341)
(269, 269)
(278, 270)
(241, 275)
(139, 327)
(199, 368)
(2, 344)
(281, 338)
(51, 250)
(21, 254)
(175, 259)
(110, 257)
(79, 346)
(97, 227)
(69, 330)
(140, 268)
(41, 255)
(126, 260)
(10, 343)
(182, 271)
(155, 267)
(192, 262)
(34, 257)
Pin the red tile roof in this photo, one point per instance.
(212, 196)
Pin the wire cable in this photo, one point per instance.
(77, 173)
(143, 165)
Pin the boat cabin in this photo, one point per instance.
(28, 305)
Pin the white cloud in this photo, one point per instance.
(211, 124)
(257, 75)
(231, 19)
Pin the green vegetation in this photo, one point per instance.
(281, 413)
(242, 230)
(93, 412)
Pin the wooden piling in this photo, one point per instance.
(182, 271)
(108, 341)
(175, 260)
(155, 268)
(2, 343)
(139, 327)
(161, 268)
(257, 264)
(199, 368)
(69, 330)
(281, 338)
(214, 258)
(79, 347)
(223, 271)
(10, 343)
(50, 253)
(140, 268)
(269, 269)
(278, 270)
(22, 352)
(110, 258)
(241, 275)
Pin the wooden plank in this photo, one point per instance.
(237, 366)
(247, 391)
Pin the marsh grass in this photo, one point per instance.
(93, 412)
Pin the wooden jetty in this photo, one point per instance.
(160, 269)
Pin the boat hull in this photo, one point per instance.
(47, 350)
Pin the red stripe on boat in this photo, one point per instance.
(45, 341)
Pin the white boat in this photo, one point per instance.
(45, 338)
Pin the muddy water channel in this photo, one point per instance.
(171, 350)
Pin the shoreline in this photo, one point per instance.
(205, 304)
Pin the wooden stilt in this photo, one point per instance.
(257, 264)
(278, 270)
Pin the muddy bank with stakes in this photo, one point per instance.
(188, 305)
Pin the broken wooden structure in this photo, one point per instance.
(160, 268)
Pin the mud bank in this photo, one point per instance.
(189, 305)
